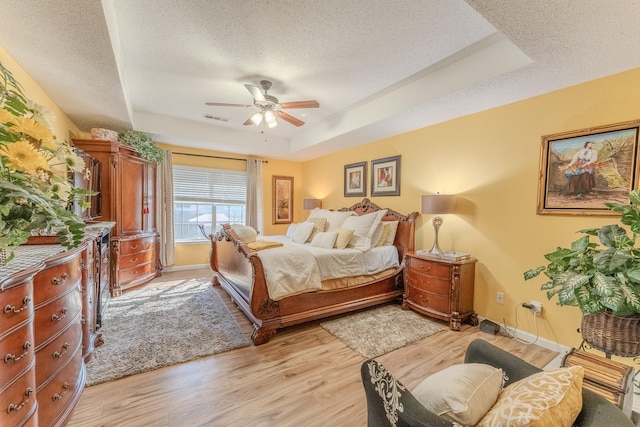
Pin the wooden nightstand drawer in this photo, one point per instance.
(431, 268)
(428, 300)
(433, 284)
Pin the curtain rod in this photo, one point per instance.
(214, 157)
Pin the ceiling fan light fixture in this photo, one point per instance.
(257, 118)
(272, 124)
(270, 118)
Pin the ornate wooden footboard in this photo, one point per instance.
(239, 271)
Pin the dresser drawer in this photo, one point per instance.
(55, 316)
(428, 300)
(133, 260)
(57, 279)
(136, 273)
(430, 268)
(17, 305)
(18, 400)
(57, 353)
(433, 284)
(56, 395)
(17, 350)
(136, 245)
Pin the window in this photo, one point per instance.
(208, 197)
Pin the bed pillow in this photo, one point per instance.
(319, 226)
(364, 227)
(334, 218)
(324, 239)
(462, 393)
(548, 398)
(245, 233)
(344, 235)
(383, 235)
(393, 229)
(303, 231)
(291, 230)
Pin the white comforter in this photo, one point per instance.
(295, 268)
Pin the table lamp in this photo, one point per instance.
(309, 204)
(437, 204)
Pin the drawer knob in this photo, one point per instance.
(25, 349)
(59, 281)
(12, 308)
(59, 354)
(59, 396)
(63, 314)
(15, 407)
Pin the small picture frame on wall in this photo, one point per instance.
(582, 170)
(355, 180)
(282, 199)
(385, 176)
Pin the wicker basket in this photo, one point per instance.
(616, 335)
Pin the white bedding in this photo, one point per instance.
(295, 268)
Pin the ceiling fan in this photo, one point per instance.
(268, 106)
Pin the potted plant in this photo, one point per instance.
(603, 279)
(143, 144)
(34, 189)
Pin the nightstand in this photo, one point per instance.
(440, 289)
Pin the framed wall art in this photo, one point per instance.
(385, 176)
(582, 170)
(282, 199)
(355, 180)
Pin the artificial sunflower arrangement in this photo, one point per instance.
(35, 193)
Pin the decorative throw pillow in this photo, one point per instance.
(548, 398)
(391, 236)
(324, 239)
(303, 231)
(461, 393)
(291, 230)
(319, 226)
(364, 227)
(334, 218)
(245, 233)
(383, 235)
(344, 236)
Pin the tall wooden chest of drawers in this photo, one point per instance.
(440, 288)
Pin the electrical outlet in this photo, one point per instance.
(536, 307)
(500, 297)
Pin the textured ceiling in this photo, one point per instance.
(377, 68)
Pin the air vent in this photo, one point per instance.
(218, 118)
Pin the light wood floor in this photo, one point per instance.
(303, 377)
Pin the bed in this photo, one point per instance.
(240, 271)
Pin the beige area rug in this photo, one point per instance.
(156, 327)
(379, 330)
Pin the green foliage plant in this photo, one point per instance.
(602, 275)
(143, 144)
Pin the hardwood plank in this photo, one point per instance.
(303, 376)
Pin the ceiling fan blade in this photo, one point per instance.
(255, 92)
(223, 104)
(301, 104)
(248, 122)
(286, 117)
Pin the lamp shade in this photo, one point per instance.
(438, 204)
(309, 204)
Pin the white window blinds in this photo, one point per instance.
(201, 185)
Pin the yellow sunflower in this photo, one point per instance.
(5, 116)
(23, 156)
(36, 130)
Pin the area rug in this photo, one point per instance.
(155, 327)
(379, 330)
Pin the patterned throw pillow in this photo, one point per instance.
(548, 398)
(319, 226)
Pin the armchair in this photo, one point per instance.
(405, 410)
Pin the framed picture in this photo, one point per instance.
(385, 176)
(582, 170)
(282, 199)
(355, 180)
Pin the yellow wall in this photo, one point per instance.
(63, 128)
(198, 253)
(491, 161)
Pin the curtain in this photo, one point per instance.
(164, 209)
(254, 194)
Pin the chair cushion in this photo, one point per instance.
(462, 393)
(548, 398)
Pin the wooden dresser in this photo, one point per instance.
(41, 335)
(440, 289)
(127, 197)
